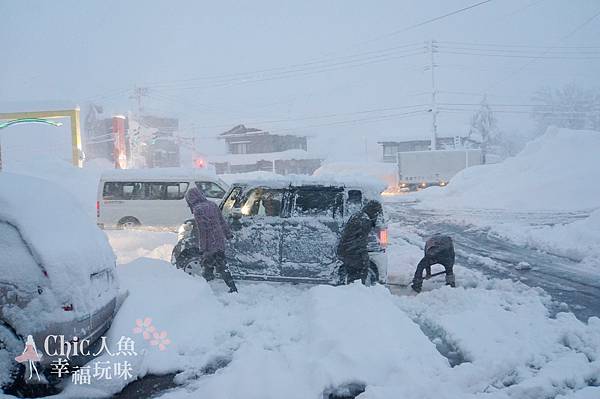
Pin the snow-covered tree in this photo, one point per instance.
(483, 131)
(571, 107)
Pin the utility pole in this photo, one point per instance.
(434, 111)
(135, 133)
(138, 94)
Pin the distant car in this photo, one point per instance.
(286, 231)
(151, 197)
(57, 274)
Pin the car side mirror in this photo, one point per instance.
(236, 213)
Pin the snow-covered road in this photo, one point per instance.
(567, 280)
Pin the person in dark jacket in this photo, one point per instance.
(352, 248)
(213, 232)
(438, 249)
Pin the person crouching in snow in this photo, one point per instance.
(352, 248)
(438, 249)
(213, 232)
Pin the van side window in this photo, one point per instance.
(144, 191)
(319, 201)
(176, 191)
(155, 191)
(210, 189)
(263, 202)
(123, 191)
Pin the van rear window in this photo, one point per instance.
(144, 190)
(318, 201)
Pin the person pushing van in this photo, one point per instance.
(213, 232)
(352, 248)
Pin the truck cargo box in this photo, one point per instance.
(420, 169)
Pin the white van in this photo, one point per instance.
(151, 197)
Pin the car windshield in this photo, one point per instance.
(263, 202)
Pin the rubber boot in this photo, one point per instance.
(229, 281)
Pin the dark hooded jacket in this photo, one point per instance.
(355, 235)
(213, 230)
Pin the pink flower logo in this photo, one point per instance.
(144, 327)
(150, 333)
(161, 340)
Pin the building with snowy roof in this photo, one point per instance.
(252, 150)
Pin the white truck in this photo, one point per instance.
(421, 169)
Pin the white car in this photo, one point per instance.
(57, 274)
(151, 197)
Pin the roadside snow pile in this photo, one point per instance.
(558, 171)
(510, 346)
(132, 244)
(578, 240)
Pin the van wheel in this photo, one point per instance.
(190, 262)
(128, 222)
(372, 275)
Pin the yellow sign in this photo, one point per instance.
(73, 114)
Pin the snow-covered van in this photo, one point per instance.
(58, 280)
(288, 230)
(151, 197)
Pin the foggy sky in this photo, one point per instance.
(75, 52)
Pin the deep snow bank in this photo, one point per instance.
(557, 171)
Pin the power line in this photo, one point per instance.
(246, 79)
(404, 48)
(532, 61)
(491, 50)
(428, 21)
(326, 60)
(324, 116)
(476, 44)
(356, 121)
(541, 57)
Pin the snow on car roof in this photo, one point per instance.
(60, 234)
(368, 184)
(157, 173)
